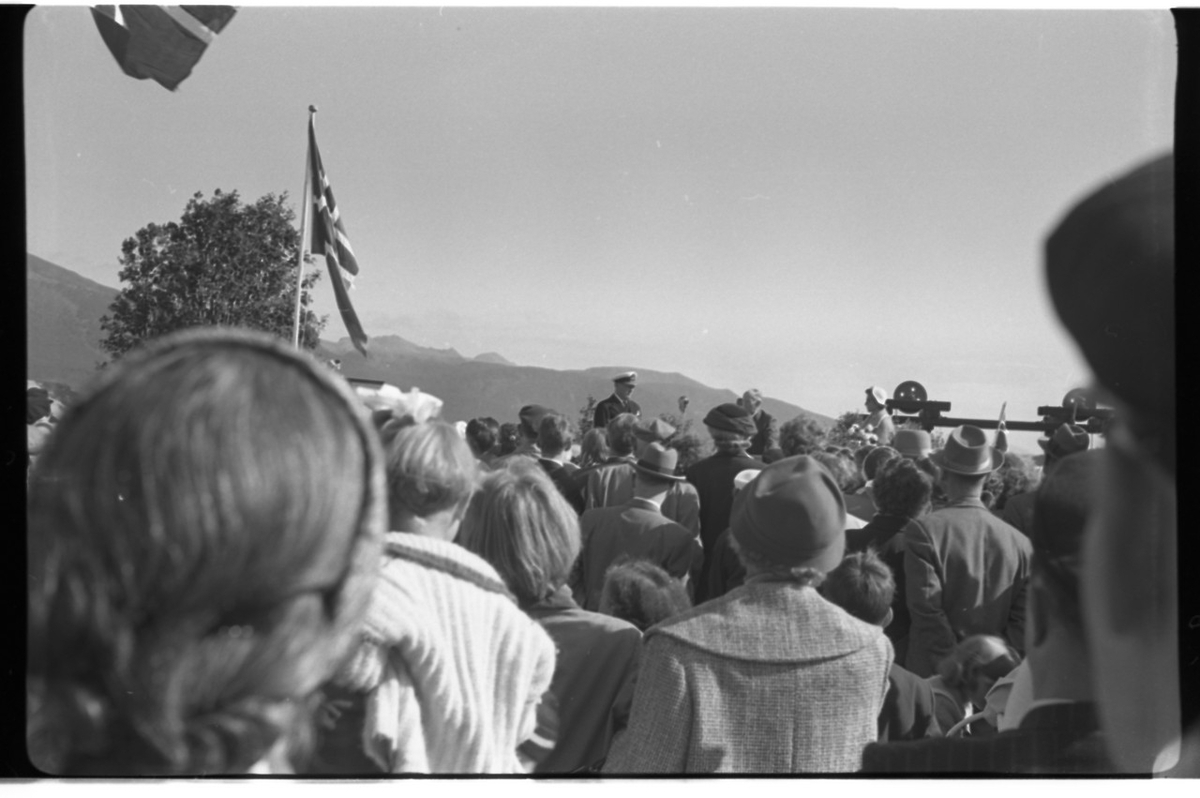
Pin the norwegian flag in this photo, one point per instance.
(160, 42)
(329, 239)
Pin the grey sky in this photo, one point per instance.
(807, 201)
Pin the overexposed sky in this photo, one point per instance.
(804, 200)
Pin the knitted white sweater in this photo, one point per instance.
(455, 670)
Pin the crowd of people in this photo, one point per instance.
(238, 566)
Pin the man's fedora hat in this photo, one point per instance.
(1067, 439)
(914, 443)
(659, 462)
(628, 377)
(792, 515)
(653, 430)
(968, 452)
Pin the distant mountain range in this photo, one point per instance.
(64, 346)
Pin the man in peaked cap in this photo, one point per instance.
(731, 428)
(619, 402)
(965, 569)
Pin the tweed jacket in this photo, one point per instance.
(636, 530)
(1053, 738)
(713, 478)
(454, 671)
(608, 409)
(966, 573)
(611, 485)
(593, 679)
(769, 678)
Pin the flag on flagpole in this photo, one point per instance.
(160, 42)
(329, 239)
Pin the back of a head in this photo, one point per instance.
(509, 435)
(430, 468)
(521, 524)
(902, 489)
(976, 658)
(482, 436)
(205, 531)
(876, 460)
(594, 447)
(621, 434)
(862, 585)
(642, 593)
(554, 434)
(839, 468)
(1061, 508)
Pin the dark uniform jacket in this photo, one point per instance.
(610, 408)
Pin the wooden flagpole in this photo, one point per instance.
(304, 222)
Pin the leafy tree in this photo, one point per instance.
(223, 263)
(587, 414)
(802, 435)
(840, 434)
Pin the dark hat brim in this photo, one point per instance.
(939, 459)
(658, 474)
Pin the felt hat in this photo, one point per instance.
(653, 430)
(878, 394)
(968, 452)
(914, 443)
(1066, 439)
(1110, 268)
(659, 462)
(731, 418)
(531, 418)
(627, 377)
(792, 515)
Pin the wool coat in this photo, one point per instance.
(966, 573)
(769, 678)
(593, 679)
(713, 478)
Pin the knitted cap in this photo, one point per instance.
(731, 418)
(792, 515)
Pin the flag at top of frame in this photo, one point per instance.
(329, 239)
(160, 42)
